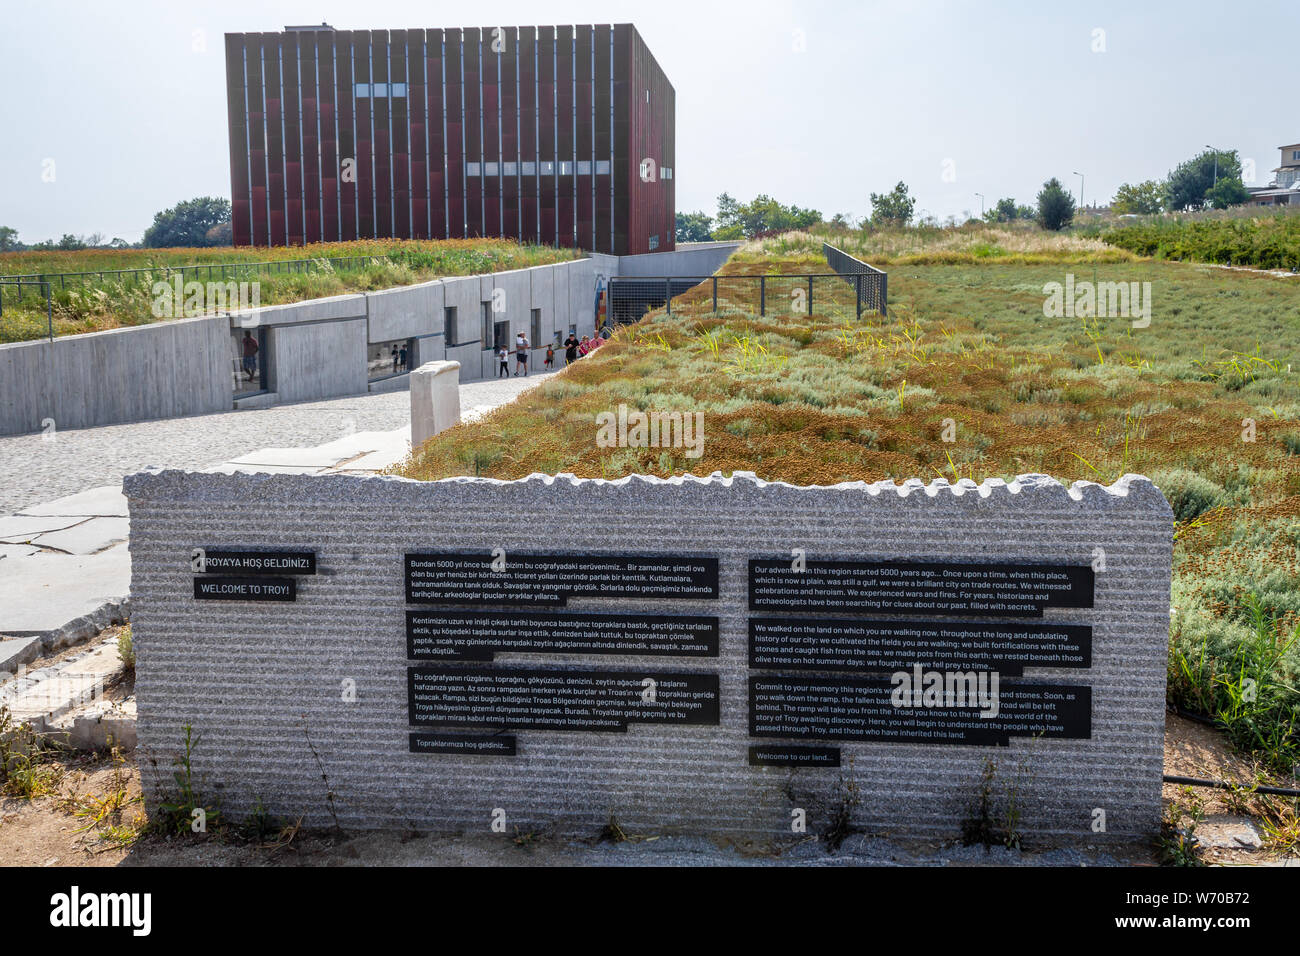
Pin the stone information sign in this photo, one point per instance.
(709, 655)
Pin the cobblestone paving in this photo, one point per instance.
(34, 468)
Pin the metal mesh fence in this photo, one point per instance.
(870, 285)
(631, 298)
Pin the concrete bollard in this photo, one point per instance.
(435, 400)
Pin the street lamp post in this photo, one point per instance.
(981, 195)
(1216, 165)
(1080, 175)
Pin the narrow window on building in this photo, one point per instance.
(548, 169)
(566, 168)
(397, 89)
(536, 338)
(363, 90)
(449, 330)
(472, 169)
(489, 169)
(509, 169)
(488, 340)
(654, 241)
(529, 169)
(584, 167)
(602, 167)
(380, 89)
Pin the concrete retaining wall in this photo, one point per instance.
(314, 349)
(164, 370)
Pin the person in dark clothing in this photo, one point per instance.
(570, 349)
(401, 358)
(250, 355)
(503, 355)
(394, 358)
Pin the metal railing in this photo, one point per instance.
(827, 293)
(870, 284)
(211, 271)
(16, 284)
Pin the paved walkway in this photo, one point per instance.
(36, 468)
(64, 566)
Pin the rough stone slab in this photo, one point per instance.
(63, 598)
(15, 529)
(435, 400)
(105, 501)
(90, 537)
(262, 682)
(16, 651)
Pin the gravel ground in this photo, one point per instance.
(34, 469)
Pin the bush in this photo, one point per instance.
(1188, 493)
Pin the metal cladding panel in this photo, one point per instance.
(455, 99)
(399, 136)
(651, 216)
(294, 183)
(473, 66)
(345, 65)
(625, 162)
(528, 120)
(256, 140)
(241, 224)
(565, 146)
(435, 112)
(327, 108)
(511, 120)
(603, 145)
(275, 135)
(546, 167)
(310, 155)
(381, 108)
(417, 146)
(490, 99)
(259, 682)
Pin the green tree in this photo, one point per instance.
(892, 208)
(762, 215)
(1055, 206)
(1004, 210)
(1190, 183)
(9, 239)
(1227, 192)
(1143, 199)
(694, 227)
(187, 223)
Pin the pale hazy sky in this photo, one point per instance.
(128, 98)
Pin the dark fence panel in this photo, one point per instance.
(870, 284)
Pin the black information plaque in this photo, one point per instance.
(461, 635)
(530, 699)
(781, 755)
(464, 745)
(870, 645)
(899, 587)
(856, 708)
(548, 580)
(245, 589)
(252, 563)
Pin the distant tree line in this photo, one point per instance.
(200, 222)
(1211, 179)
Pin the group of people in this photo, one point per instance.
(573, 350)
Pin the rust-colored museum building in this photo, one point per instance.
(561, 135)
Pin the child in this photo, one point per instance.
(550, 358)
(504, 355)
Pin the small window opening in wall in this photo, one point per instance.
(654, 241)
(488, 339)
(450, 334)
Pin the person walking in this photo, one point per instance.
(401, 358)
(394, 358)
(521, 355)
(550, 358)
(503, 354)
(570, 349)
